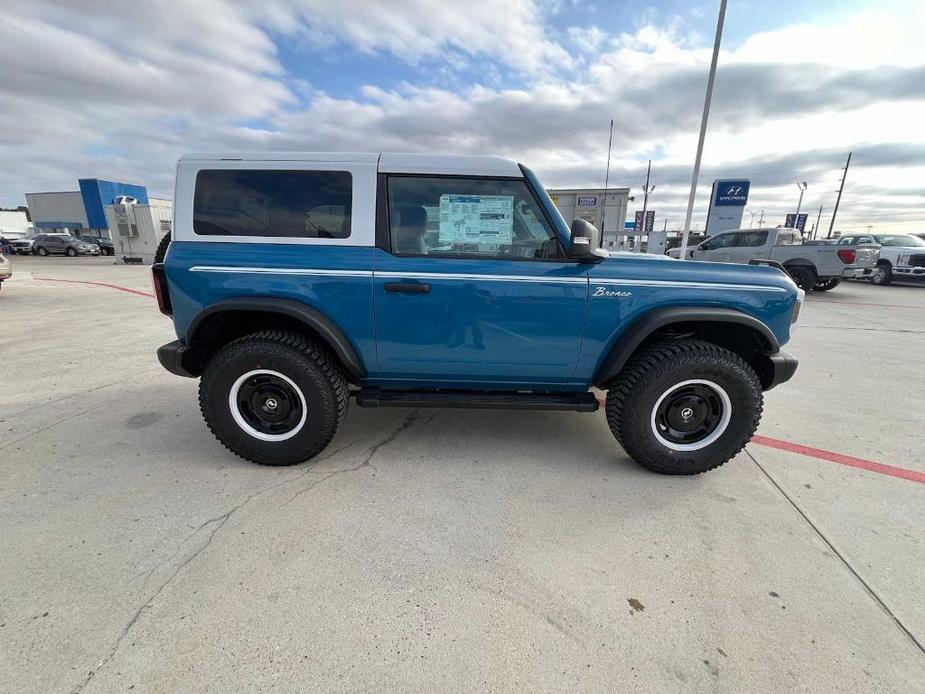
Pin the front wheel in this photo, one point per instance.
(42, 251)
(273, 397)
(882, 276)
(70, 252)
(826, 285)
(684, 407)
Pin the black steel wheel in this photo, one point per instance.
(684, 407)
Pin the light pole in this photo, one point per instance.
(760, 218)
(796, 218)
(637, 248)
(686, 232)
(751, 219)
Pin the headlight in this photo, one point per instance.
(903, 259)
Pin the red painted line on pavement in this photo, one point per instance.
(832, 457)
(841, 459)
(99, 284)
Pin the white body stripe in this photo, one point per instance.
(316, 272)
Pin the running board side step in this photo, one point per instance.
(575, 402)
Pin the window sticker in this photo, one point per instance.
(481, 219)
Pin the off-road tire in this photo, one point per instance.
(313, 369)
(652, 372)
(804, 277)
(161, 249)
(883, 276)
(826, 285)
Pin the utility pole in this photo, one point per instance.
(838, 199)
(796, 219)
(703, 129)
(606, 180)
(761, 219)
(816, 225)
(637, 247)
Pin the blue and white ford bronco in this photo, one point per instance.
(297, 281)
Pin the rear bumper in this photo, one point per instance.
(857, 272)
(783, 366)
(173, 357)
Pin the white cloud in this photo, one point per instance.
(121, 94)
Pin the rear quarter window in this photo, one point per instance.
(270, 203)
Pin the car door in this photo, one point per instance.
(747, 245)
(471, 287)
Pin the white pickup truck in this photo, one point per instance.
(902, 256)
(819, 267)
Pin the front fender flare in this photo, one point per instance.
(643, 327)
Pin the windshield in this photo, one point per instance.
(900, 240)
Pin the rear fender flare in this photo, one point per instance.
(311, 317)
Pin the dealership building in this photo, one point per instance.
(135, 229)
(605, 209)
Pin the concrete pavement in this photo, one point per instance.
(447, 550)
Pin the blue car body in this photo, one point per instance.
(483, 324)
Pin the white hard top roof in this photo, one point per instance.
(458, 164)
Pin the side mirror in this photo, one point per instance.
(585, 242)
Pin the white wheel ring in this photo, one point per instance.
(714, 435)
(241, 422)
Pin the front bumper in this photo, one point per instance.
(174, 357)
(857, 272)
(908, 271)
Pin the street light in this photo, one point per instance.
(802, 186)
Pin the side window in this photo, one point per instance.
(788, 238)
(750, 239)
(291, 204)
(719, 241)
(467, 218)
(845, 241)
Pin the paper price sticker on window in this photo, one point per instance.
(479, 219)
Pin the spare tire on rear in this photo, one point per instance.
(162, 248)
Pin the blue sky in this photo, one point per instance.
(120, 95)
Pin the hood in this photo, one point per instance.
(662, 269)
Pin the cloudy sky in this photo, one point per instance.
(120, 90)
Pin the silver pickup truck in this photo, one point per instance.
(819, 267)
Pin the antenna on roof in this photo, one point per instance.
(606, 180)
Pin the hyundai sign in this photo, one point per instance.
(727, 202)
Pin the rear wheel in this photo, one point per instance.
(883, 275)
(804, 277)
(274, 397)
(684, 407)
(826, 285)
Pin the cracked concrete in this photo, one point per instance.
(445, 550)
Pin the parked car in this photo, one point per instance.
(902, 256)
(819, 267)
(297, 283)
(22, 245)
(6, 269)
(62, 244)
(105, 245)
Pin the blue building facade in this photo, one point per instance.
(97, 193)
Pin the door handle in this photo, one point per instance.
(407, 287)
